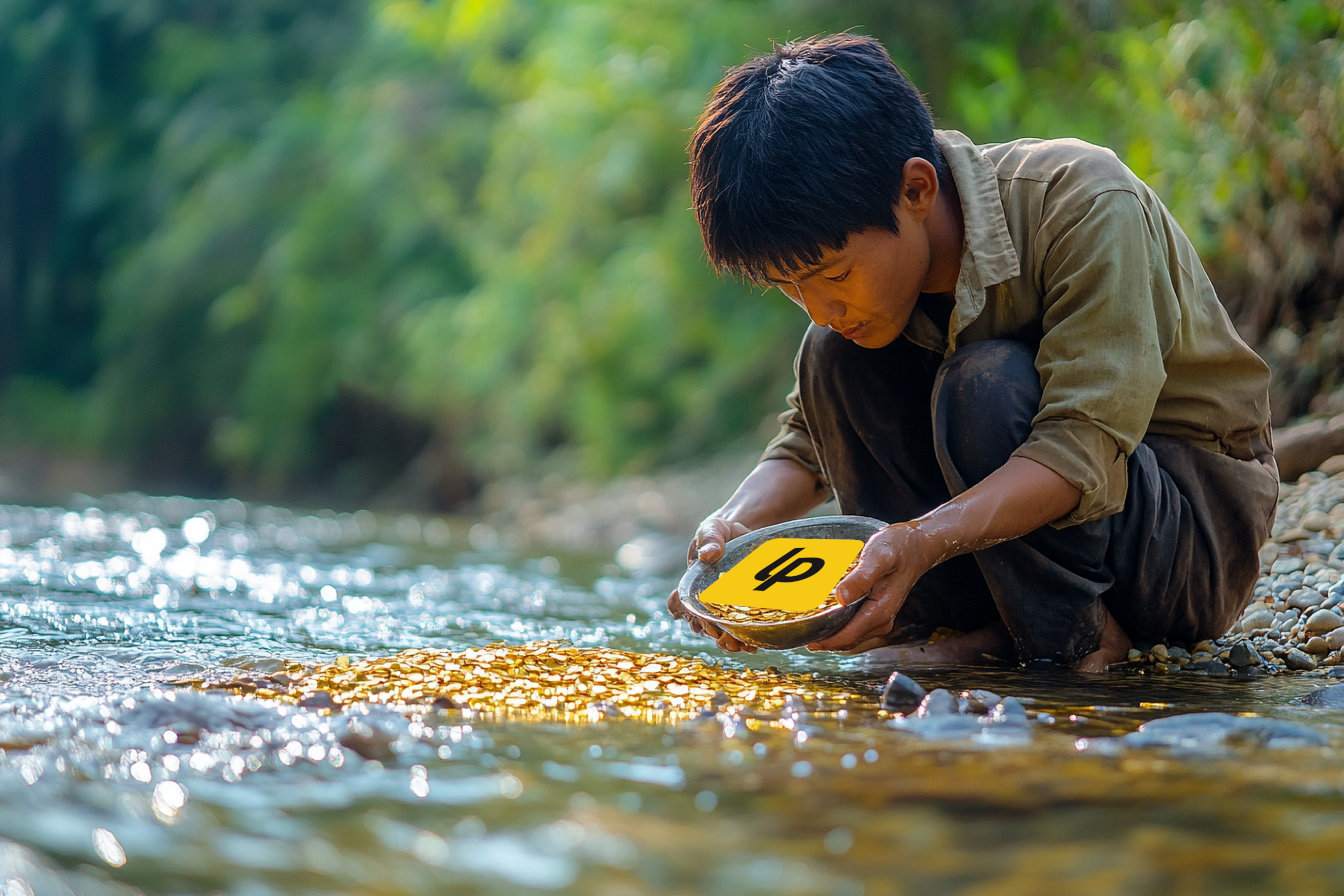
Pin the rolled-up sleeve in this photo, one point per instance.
(794, 441)
(1110, 317)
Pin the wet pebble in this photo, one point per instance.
(938, 703)
(1195, 731)
(1326, 698)
(1324, 621)
(901, 694)
(1298, 661)
(1259, 619)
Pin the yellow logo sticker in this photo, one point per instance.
(790, 574)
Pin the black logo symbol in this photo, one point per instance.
(769, 576)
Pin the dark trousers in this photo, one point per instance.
(899, 431)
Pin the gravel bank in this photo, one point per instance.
(1295, 621)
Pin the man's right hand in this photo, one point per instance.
(707, 547)
(777, 490)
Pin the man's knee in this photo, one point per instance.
(983, 403)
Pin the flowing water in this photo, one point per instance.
(117, 778)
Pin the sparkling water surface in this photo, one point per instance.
(115, 777)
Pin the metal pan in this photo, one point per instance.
(789, 633)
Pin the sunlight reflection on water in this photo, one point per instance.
(110, 778)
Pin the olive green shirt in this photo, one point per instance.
(1067, 251)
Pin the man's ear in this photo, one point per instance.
(919, 187)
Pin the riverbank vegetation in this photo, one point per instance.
(390, 249)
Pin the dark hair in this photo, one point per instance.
(798, 149)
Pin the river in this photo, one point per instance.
(118, 776)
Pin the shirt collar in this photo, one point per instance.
(988, 255)
(987, 239)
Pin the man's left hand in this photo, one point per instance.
(890, 564)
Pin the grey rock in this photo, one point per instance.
(1009, 711)
(1257, 619)
(954, 727)
(1204, 730)
(1243, 655)
(1315, 521)
(1335, 639)
(1159, 651)
(1305, 599)
(1298, 661)
(193, 712)
(1178, 653)
(938, 703)
(1316, 646)
(1212, 668)
(1324, 621)
(1285, 565)
(901, 694)
(978, 701)
(1326, 698)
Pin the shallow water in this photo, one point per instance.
(114, 780)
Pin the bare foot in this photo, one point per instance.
(1115, 645)
(968, 649)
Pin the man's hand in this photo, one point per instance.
(888, 567)
(1019, 497)
(707, 547)
(777, 490)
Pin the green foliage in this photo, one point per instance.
(1239, 124)
(264, 233)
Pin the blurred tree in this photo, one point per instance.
(290, 248)
(1238, 121)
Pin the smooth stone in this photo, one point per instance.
(1178, 653)
(1324, 621)
(938, 703)
(1159, 651)
(1335, 639)
(1009, 711)
(318, 700)
(1326, 698)
(1305, 599)
(1297, 533)
(1285, 565)
(1212, 668)
(1257, 620)
(1134, 655)
(1316, 646)
(1204, 647)
(1298, 661)
(1334, 600)
(1315, 521)
(901, 694)
(938, 727)
(193, 711)
(1336, 672)
(978, 701)
(1212, 729)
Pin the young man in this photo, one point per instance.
(1016, 358)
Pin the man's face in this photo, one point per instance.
(867, 290)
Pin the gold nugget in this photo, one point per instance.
(732, 613)
(541, 679)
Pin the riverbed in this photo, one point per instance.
(118, 774)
